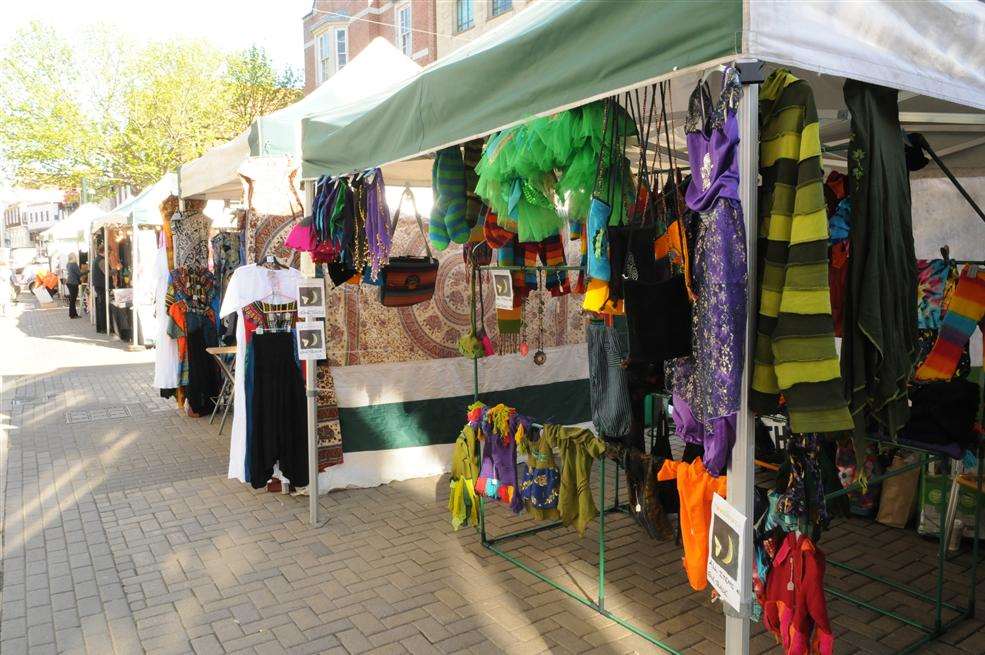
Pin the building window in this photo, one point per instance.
(465, 18)
(405, 39)
(324, 56)
(501, 6)
(341, 47)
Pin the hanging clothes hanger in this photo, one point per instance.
(270, 262)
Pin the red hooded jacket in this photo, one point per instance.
(795, 610)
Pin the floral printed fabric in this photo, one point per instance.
(932, 284)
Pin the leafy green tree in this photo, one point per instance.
(175, 110)
(54, 122)
(256, 88)
(102, 110)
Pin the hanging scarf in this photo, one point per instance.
(378, 237)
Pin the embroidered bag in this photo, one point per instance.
(408, 280)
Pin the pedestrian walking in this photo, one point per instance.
(73, 277)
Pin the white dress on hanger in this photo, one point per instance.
(248, 284)
(166, 362)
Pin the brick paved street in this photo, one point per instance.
(121, 534)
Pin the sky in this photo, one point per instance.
(226, 24)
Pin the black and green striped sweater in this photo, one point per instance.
(795, 351)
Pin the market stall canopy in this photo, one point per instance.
(553, 56)
(75, 227)
(142, 209)
(375, 72)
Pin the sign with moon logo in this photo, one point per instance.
(503, 284)
(311, 340)
(725, 543)
(311, 299)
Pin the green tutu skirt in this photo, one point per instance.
(527, 171)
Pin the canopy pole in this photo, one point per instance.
(91, 262)
(741, 474)
(109, 329)
(134, 317)
(310, 386)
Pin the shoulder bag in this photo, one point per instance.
(408, 280)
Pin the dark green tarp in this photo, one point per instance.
(549, 57)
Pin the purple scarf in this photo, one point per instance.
(378, 237)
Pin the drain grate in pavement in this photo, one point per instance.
(100, 414)
(116, 412)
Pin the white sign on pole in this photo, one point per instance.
(725, 542)
(311, 340)
(311, 299)
(503, 285)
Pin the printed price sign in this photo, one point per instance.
(311, 340)
(503, 285)
(725, 544)
(311, 299)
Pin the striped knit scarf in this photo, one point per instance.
(965, 312)
(795, 349)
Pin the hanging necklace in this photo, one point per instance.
(540, 356)
(524, 348)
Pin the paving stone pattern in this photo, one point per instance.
(123, 535)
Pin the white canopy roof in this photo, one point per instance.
(934, 47)
(75, 227)
(375, 71)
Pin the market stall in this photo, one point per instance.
(126, 239)
(71, 235)
(599, 52)
(373, 73)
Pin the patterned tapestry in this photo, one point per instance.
(362, 331)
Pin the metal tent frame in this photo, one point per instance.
(596, 603)
(741, 480)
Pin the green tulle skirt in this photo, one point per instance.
(526, 172)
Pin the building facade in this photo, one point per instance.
(15, 233)
(30, 212)
(335, 31)
(460, 21)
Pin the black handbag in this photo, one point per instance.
(408, 280)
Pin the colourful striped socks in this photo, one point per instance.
(448, 221)
(965, 312)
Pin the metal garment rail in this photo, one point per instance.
(939, 627)
(597, 604)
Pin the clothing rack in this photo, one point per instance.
(939, 626)
(491, 543)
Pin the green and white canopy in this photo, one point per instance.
(142, 209)
(373, 73)
(553, 56)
